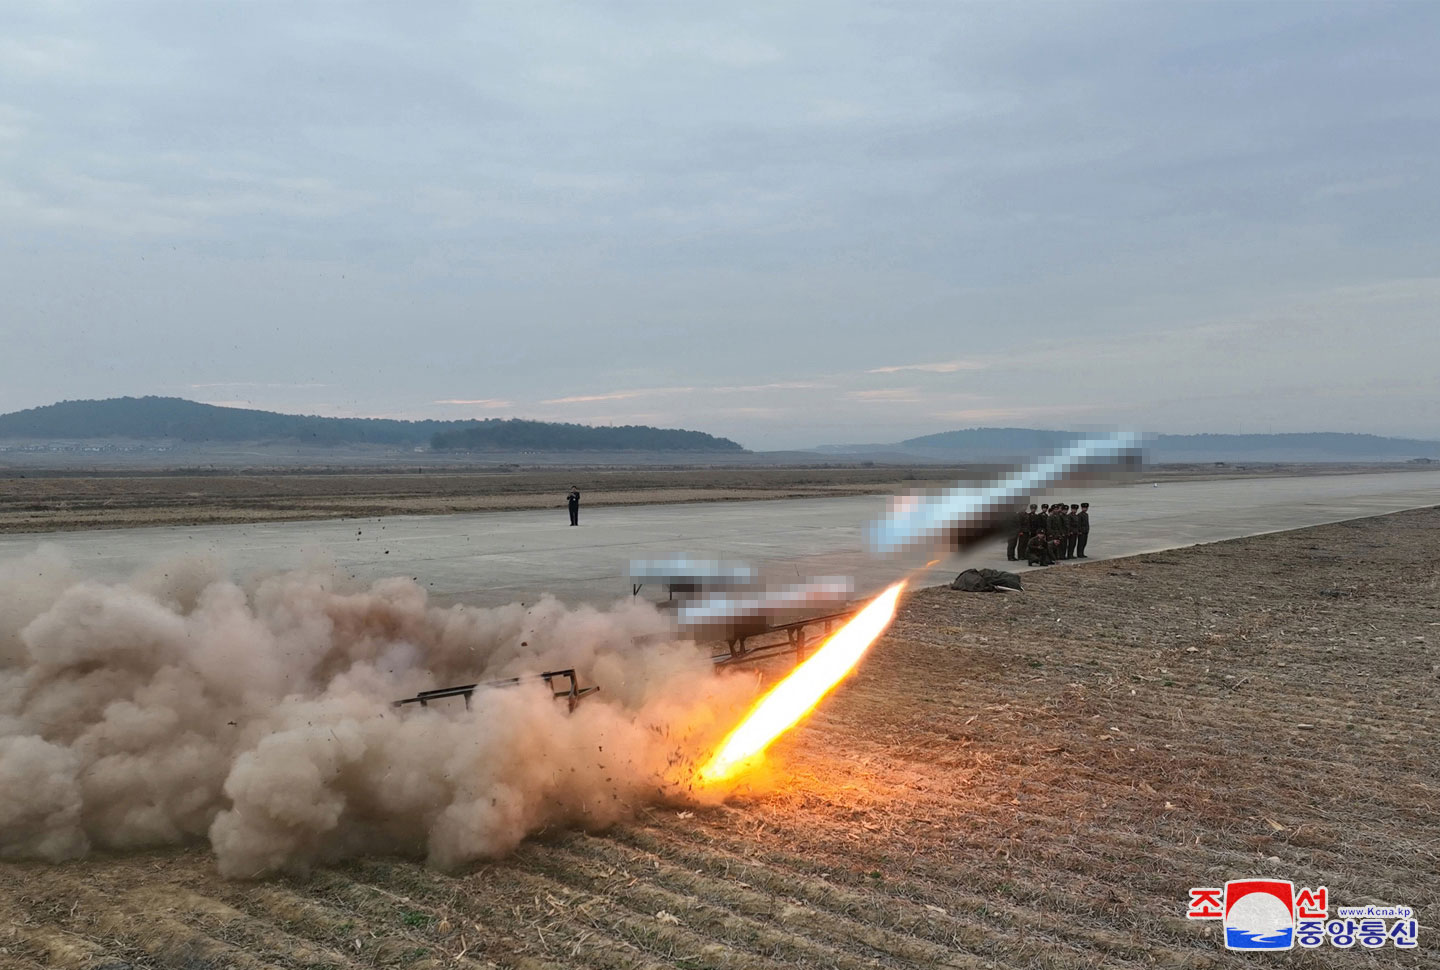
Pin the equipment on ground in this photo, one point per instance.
(571, 693)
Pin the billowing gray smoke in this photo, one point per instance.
(181, 705)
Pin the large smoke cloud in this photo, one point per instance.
(182, 705)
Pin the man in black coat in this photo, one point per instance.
(1055, 532)
(1019, 535)
(573, 500)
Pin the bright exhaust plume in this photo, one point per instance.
(798, 694)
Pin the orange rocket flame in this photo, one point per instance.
(795, 696)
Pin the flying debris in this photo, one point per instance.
(963, 515)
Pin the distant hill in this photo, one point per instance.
(176, 419)
(1316, 446)
(514, 435)
(1004, 444)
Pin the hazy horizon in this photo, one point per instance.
(795, 226)
(1149, 434)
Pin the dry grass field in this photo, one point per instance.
(1026, 780)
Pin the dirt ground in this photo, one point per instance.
(44, 501)
(53, 502)
(1010, 780)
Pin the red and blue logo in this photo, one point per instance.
(1259, 914)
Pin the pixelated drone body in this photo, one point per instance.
(962, 515)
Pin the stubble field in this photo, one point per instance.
(1023, 780)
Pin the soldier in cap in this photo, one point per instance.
(1019, 535)
(1055, 530)
(1037, 553)
(1072, 520)
(1083, 526)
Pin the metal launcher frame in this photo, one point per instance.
(571, 693)
(796, 639)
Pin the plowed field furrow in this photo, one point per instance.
(1327, 723)
(394, 923)
(853, 847)
(987, 791)
(662, 934)
(900, 899)
(150, 921)
(327, 928)
(512, 924)
(742, 920)
(15, 960)
(49, 945)
(822, 910)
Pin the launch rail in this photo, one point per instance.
(798, 638)
(571, 692)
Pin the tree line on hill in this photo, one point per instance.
(190, 421)
(517, 434)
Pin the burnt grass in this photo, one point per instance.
(1013, 780)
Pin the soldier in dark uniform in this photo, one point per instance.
(1037, 553)
(1019, 535)
(573, 500)
(1084, 529)
(1055, 529)
(1073, 536)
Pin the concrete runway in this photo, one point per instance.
(501, 557)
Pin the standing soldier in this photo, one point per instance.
(573, 500)
(1019, 534)
(1084, 520)
(1056, 532)
(1074, 537)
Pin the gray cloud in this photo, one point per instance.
(553, 207)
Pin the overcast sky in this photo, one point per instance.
(791, 224)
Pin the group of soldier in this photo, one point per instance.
(1045, 534)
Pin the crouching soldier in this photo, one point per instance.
(1037, 552)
